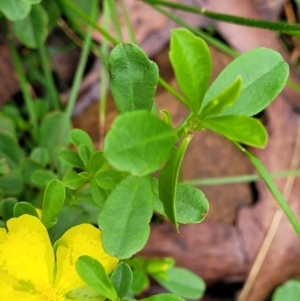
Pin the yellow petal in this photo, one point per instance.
(8, 293)
(26, 254)
(80, 240)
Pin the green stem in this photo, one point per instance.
(275, 26)
(23, 83)
(80, 69)
(104, 75)
(273, 189)
(89, 21)
(240, 178)
(172, 91)
(212, 41)
(48, 75)
(128, 23)
(293, 85)
(115, 18)
(206, 37)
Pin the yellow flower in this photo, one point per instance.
(30, 271)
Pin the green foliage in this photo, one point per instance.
(192, 65)
(79, 137)
(10, 150)
(289, 291)
(24, 208)
(94, 275)
(168, 177)
(176, 280)
(53, 201)
(33, 30)
(121, 279)
(133, 78)
(49, 136)
(15, 9)
(190, 202)
(241, 129)
(263, 73)
(125, 223)
(113, 188)
(181, 282)
(223, 100)
(7, 208)
(163, 297)
(139, 143)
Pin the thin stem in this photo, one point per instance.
(273, 189)
(81, 66)
(53, 95)
(206, 37)
(240, 178)
(293, 85)
(266, 244)
(89, 21)
(275, 26)
(23, 82)
(212, 41)
(115, 18)
(172, 91)
(104, 77)
(128, 23)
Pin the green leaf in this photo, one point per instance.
(163, 297)
(24, 208)
(84, 153)
(181, 282)
(168, 178)
(96, 163)
(78, 137)
(32, 31)
(140, 282)
(94, 275)
(10, 150)
(139, 143)
(241, 129)
(40, 155)
(99, 194)
(158, 265)
(264, 74)
(133, 78)
(54, 198)
(42, 177)
(54, 13)
(11, 184)
(191, 204)
(7, 125)
(289, 291)
(7, 208)
(191, 61)
(108, 179)
(125, 217)
(167, 117)
(14, 9)
(71, 158)
(84, 293)
(225, 99)
(28, 167)
(54, 132)
(68, 217)
(121, 279)
(4, 168)
(31, 1)
(73, 180)
(83, 5)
